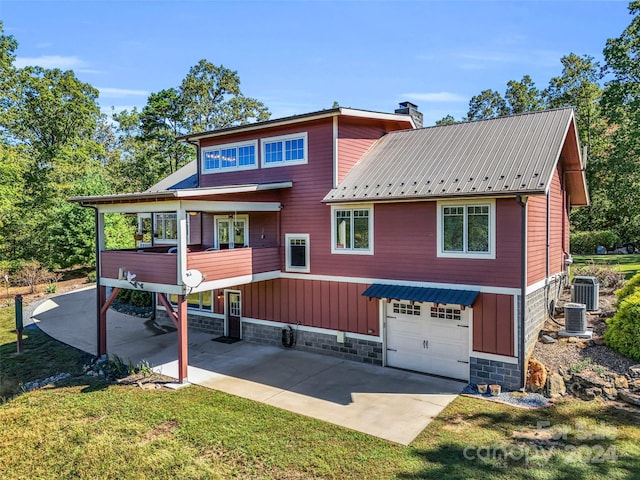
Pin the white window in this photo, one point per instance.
(406, 308)
(467, 229)
(352, 229)
(231, 231)
(445, 313)
(284, 150)
(166, 227)
(229, 157)
(297, 252)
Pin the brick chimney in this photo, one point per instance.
(408, 108)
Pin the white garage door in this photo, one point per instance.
(428, 338)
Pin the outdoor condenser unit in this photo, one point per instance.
(586, 290)
(575, 317)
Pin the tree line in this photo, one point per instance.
(606, 99)
(55, 143)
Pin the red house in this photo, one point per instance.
(433, 249)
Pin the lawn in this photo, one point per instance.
(628, 264)
(85, 428)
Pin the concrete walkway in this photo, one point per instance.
(391, 404)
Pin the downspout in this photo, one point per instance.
(523, 287)
(97, 251)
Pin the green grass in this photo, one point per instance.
(628, 264)
(91, 429)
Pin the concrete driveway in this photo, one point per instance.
(391, 404)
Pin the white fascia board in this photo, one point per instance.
(208, 206)
(172, 205)
(146, 286)
(256, 187)
(235, 281)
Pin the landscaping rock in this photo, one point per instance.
(536, 376)
(628, 397)
(590, 379)
(556, 386)
(634, 385)
(634, 371)
(572, 340)
(621, 382)
(547, 339)
(610, 393)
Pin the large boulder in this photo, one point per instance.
(555, 386)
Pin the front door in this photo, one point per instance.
(233, 311)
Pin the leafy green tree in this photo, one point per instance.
(523, 96)
(488, 104)
(446, 120)
(212, 99)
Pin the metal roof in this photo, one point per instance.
(422, 294)
(185, 177)
(502, 156)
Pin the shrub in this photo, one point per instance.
(586, 242)
(33, 274)
(91, 277)
(623, 332)
(140, 299)
(608, 276)
(628, 288)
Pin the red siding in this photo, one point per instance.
(537, 231)
(536, 239)
(313, 303)
(493, 324)
(148, 267)
(221, 264)
(354, 139)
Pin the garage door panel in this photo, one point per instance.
(416, 341)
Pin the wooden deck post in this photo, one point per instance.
(183, 353)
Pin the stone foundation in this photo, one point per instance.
(358, 350)
(505, 374)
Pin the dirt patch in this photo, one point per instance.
(160, 431)
(569, 354)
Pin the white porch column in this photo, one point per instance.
(100, 240)
(181, 215)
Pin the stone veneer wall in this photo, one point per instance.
(507, 375)
(536, 308)
(359, 350)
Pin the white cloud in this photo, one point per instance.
(435, 97)
(50, 61)
(121, 92)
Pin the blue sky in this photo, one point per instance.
(299, 57)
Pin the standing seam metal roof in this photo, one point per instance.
(506, 155)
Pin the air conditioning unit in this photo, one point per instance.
(586, 290)
(575, 317)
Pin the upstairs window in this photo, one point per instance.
(228, 157)
(352, 230)
(284, 150)
(466, 230)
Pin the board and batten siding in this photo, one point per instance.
(312, 303)
(493, 324)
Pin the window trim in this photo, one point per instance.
(283, 138)
(221, 169)
(352, 251)
(163, 241)
(491, 254)
(243, 217)
(287, 253)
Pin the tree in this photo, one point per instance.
(446, 120)
(488, 104)
(212, 99)
(621, 104)
(523, 96)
